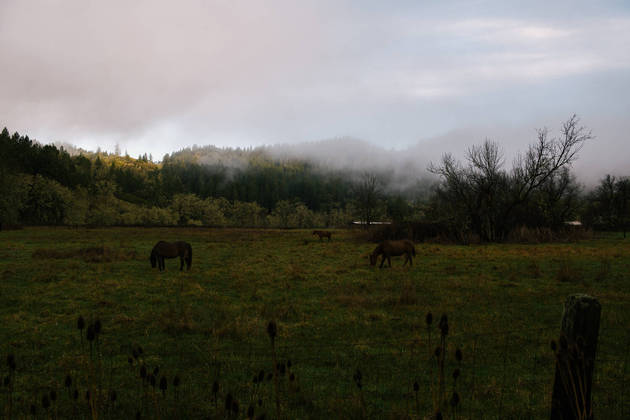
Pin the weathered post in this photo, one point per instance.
(575, 358)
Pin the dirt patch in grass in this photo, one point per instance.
(95, 254)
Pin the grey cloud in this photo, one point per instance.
(156, 76)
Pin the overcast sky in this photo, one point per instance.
(158, 76)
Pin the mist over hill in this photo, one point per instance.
(405, 169)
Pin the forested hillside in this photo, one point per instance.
(45, 184)
(210, 186)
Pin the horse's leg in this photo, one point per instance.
(382, 261)
(389, 260)
(181, 263)
(406, 259)
(162, 265)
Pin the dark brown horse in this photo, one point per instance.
(393, 249)
(322, 234)
(162, 250)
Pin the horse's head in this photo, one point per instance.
(153, 259)
(373, 258)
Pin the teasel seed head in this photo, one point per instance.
(272, 330)
(444, 325)
(80, 323)
(357, 378)
(554, 346)
(53, 395)
(156, 370)
(87, 395)
(163, 384)
(429, 319)
(139, 350)
(416, 386)
(90, 333)
(289, 364)
(282, 369)
(455, 399)
(75, 394)
(135, 354)
(456, 374)
(438, 351)
(113, 395)
(292, 377)
(45, 402)
(261, 376)
(176, 381)
(152, 380)
(11, 361)
(143, 371)
(97, 326)
(458, 355)
(68, 381)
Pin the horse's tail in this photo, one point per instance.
(189, 255)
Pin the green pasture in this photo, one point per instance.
(335, 315)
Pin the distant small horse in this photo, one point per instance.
(322, 234)
(162, 250)
(393, 249)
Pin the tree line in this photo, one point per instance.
(484, 198)
(49, 185)
(208, 186)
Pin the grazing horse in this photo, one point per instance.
(393, 249)
(322, 234)
(162, 250)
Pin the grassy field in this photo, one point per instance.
(335, 315)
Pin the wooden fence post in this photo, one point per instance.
(575, 358)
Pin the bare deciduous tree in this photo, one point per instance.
(487, 196)
(368, 192)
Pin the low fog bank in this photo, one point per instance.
(405, 170)
(400, 170)
(607, 153)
